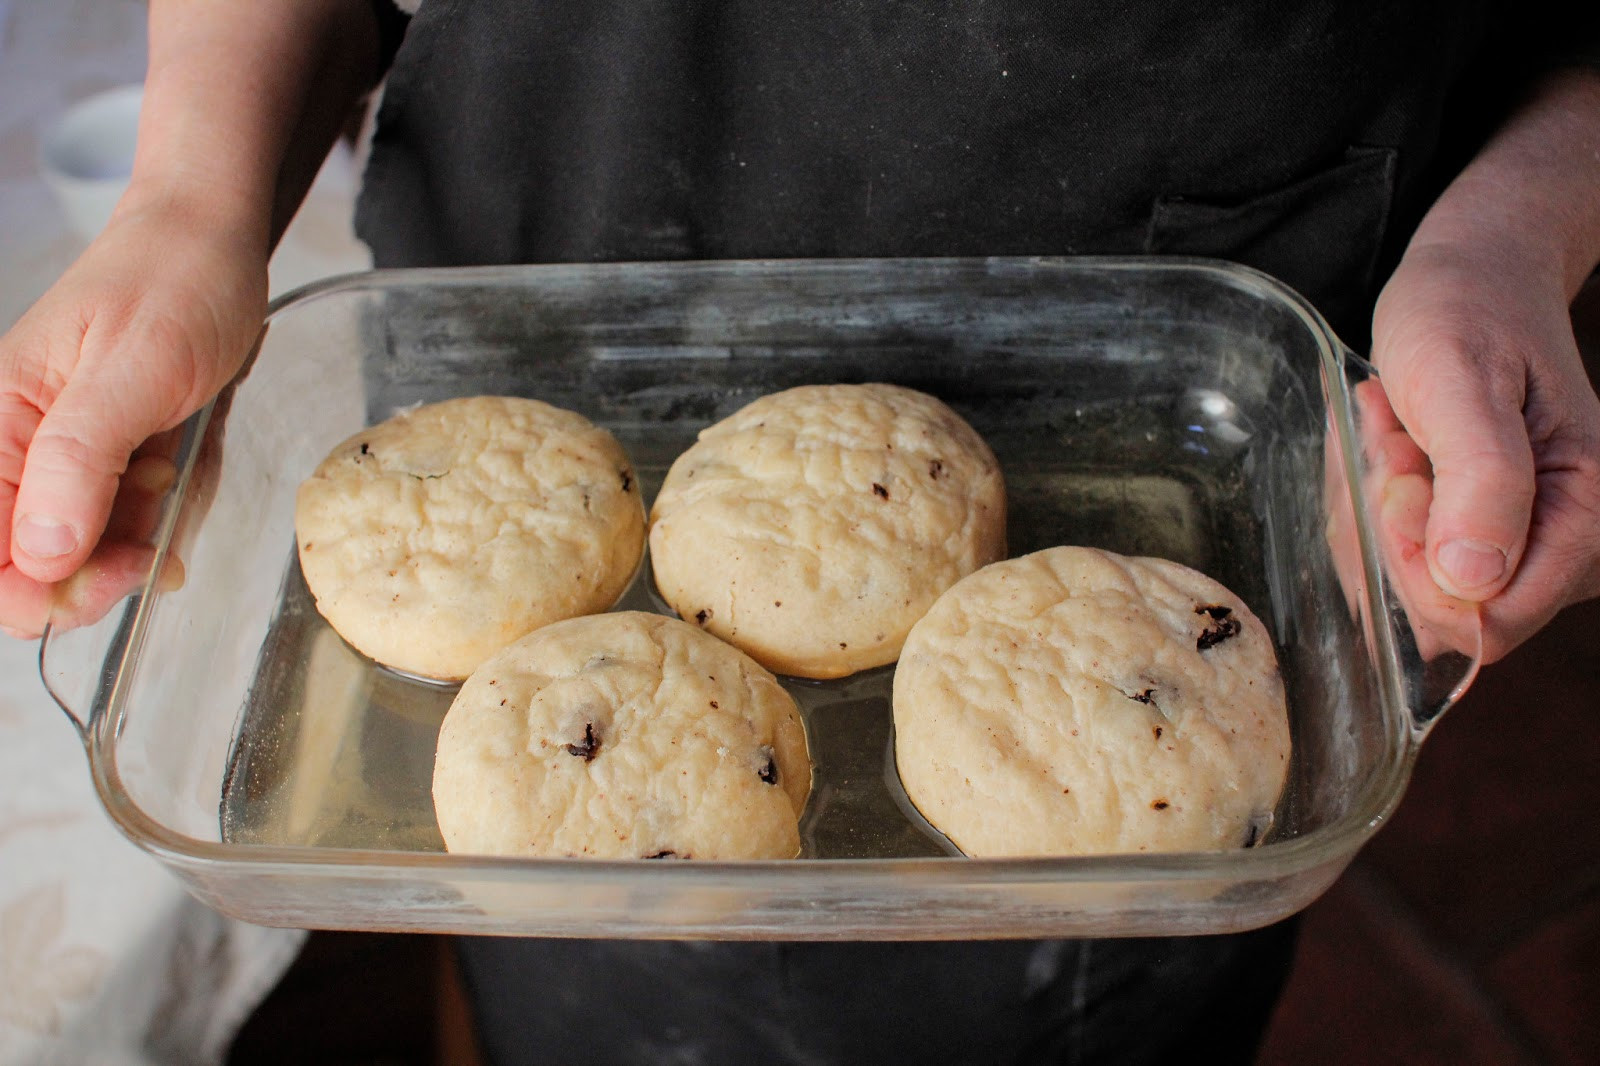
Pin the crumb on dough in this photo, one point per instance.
(589, 746)
(1225, 626)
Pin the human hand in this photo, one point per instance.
(1497, 501)
(152, 320)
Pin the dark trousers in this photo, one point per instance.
(1189, 999)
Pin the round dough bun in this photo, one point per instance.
(1078, 702)
(625, 735)
(815, 526)
(436, 538)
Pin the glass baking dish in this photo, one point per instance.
(1183, 408)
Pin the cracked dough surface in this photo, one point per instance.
(813, 527)
(434, 539)
(1074, 701)
(625, 735)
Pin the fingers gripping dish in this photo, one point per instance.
(436, 538)
(1074, 701)
(622, 735)
(813, 527)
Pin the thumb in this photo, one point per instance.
(69, 480)
(1483, 487)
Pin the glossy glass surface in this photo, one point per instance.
(1186, 409)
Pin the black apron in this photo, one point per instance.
(1297, 136)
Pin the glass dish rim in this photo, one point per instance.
(1335, 841)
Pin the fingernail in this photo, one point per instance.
(151, 474)
(45, 538)
(1471, 563)
(172, 575)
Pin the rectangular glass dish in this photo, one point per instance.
(1180, 408)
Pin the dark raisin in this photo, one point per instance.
(364, 449)
(1160, 805)
(769, 769)
(663, 855)
(936, 469)
(1141, 697)
(880, 491)
(588, 747)
(1157, 732)
(1224, 626)
(627, 480)
(702, 614)
(714, 705)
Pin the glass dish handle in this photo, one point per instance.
(80, 667)
(1436, 640)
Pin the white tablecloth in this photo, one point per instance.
(103, 957)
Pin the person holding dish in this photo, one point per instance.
(1423, 173)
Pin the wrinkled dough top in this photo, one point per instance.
(816, 525)
(622, 735)
(1074, 701)
(434, 539)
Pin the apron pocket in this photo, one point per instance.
(1321, 235)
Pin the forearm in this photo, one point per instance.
(242, 101)
(1532, 195)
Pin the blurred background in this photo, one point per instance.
(1467, 933)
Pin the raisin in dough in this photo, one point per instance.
(1074, 701)
(813, 527)
(622, 735)
(436, 538)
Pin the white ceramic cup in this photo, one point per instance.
(87, 157)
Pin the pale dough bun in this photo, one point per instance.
(813, 527)
(434, 539)
(1074, 701)
(625, 735)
